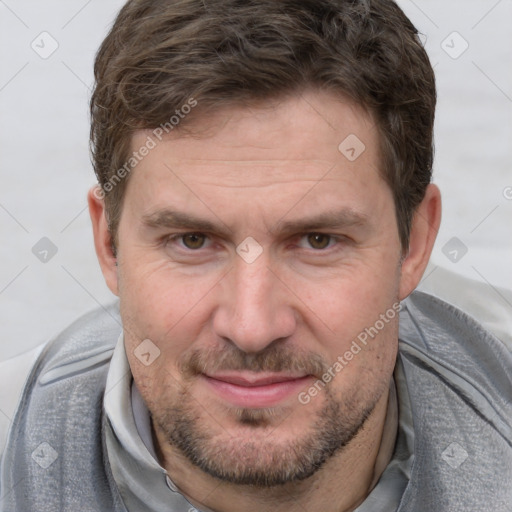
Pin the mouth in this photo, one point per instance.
(255, 390)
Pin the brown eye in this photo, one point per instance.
(318, 240)
(193, 240)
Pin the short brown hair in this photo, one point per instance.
(161, 53)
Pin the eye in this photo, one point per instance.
(318, 241)
(191, 241)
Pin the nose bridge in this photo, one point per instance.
(252, 288)
(255, 310)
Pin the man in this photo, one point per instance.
(264, 208)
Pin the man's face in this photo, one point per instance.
(252, 255)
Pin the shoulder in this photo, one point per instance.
(464, 344)
(465, 323)
(487, 304)
(13, 375)
(457, 389)
(86, 342)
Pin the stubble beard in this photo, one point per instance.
(256, 456)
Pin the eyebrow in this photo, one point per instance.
(337, 219)
(172, 219)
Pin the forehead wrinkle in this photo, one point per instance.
(249, 174)
(256, 173)
(260, 185)
(234, 167)
(273, 161)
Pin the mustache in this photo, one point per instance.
(272, 359)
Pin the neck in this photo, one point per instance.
(341, 485)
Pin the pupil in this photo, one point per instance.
(193, 241)
(319, 240)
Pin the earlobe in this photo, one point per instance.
(424, 228)
(102, 238)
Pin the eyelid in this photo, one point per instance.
(334, 240)
(179, 236)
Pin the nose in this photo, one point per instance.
(256, 307)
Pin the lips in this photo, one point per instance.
(255, 390)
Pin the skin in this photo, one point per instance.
(250, 171)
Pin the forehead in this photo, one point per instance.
(297, 117)
(310, 140)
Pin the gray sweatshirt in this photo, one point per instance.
(80, 437)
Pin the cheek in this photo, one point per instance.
(352, 301)
(361, 313)
(363, 365)
(170, 310)
(157, 295)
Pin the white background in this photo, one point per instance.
(45, 169)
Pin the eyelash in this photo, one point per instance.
(333, 240)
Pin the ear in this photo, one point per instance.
(424, 228)
(102, 238)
